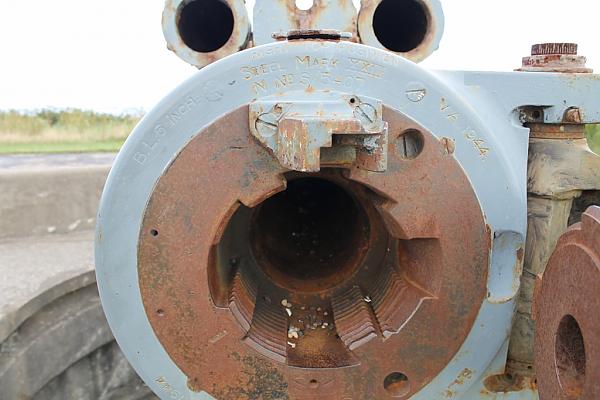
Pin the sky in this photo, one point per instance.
(110, 55)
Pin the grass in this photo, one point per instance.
(62, 131)
(593, 132)
(77, 131)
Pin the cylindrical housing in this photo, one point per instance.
(203, 31)
(410, 28)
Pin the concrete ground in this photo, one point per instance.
(54, 339)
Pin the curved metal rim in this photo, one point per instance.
(237, 41)
(431, 42)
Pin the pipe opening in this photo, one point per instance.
(309, 237)
(205, 25)
(570, 357)
(401, 26)
(305, 272)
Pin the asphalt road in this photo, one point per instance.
(42, 161)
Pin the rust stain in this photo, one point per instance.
(506, 383)
(312, 19)
(460, 380)
(449, 145)
(194, 385)
(556, 131)
(520, 254)
(257, 381)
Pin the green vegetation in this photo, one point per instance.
(72, 130)
(593, 132)
(60, 131)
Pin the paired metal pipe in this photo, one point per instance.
(203, 31)
(410, 28)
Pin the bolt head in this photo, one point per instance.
(555, 57)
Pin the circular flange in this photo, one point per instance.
(217, 317)
(567, 340)
(267, 70)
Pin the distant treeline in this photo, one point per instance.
(50, 130)
(69, 121)
(68, 130)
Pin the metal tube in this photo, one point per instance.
(410, 28)
(203, 31)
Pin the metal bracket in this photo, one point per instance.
(332, 131)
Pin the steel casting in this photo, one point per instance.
(318, 217)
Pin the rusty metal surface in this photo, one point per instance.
(542, 49)
(567, 302)
(508, 383)
(556, 131)
(330, 130)
(312, 34)
(555, 57)
(571, 126)
(387, 322)
(204, 32)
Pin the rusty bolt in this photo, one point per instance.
(572, 116)
(554, 48)
(555, 57)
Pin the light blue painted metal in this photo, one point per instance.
(482, 113)
(478, 391)
(508, 91)
(476, 110)
(271, 16)
(279, 16)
